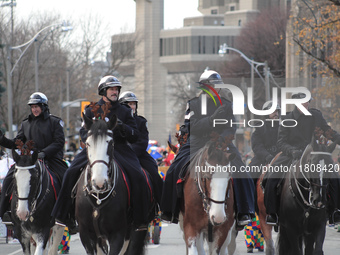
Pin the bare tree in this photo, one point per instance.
(262, 39)
(64, 58)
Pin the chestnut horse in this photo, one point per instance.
(208, 205)
(265, 228)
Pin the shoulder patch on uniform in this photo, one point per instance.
(146, 124)
(61, 123)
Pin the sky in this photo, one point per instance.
(119, 14)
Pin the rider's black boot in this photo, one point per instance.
(272, 219)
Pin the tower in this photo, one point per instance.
(150, 75)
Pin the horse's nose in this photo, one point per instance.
(318, 204)
(217, 220)
(22, 214)
(100, 185)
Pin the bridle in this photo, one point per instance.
(301, 187)
(38, 191)
(203, 191)
(112, 169)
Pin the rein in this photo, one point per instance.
(299, 185)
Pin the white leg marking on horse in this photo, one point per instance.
(192, 249)
(39, 240)
(55, 239)
(124, 248)
(23, 185)
(218, 185)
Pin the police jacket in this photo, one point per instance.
(141, 145)
(124, 113)
(200, 126)
(298, 137)
(264, 141)
(45, 130)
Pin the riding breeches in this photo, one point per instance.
(149, 164)
(64, 202)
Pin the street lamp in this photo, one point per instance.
(10, 72)
(253, 67)
(64, 28)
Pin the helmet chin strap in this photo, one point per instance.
(112, 102)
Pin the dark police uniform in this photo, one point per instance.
(264, 144)
(200, 128)
(145, 159)
(124, 155)
(291, 139)
(47, 133)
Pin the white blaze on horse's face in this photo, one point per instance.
(218, 185)
(97, 151)
(23, 178)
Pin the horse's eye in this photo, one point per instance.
(87, 144)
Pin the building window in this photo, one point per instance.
(214, 11)
(232, 8)
(193, 45)
(239, 22)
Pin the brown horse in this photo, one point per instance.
(208, 205)
(265, 228)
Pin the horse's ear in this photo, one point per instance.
(112, 122)
(88, 121)
(331, 147)
(34, 156)
(16, 156)
(314, 143)
(211, 148)
(231, 156)
(173, 147)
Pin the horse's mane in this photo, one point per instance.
(98, 129)
(216, 146)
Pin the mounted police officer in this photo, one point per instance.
(292, 140)
(200, 127)
(264, 138)
(47, 133)
(125, 132)
(147, 162)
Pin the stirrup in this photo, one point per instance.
(272, 220)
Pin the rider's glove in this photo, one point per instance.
(218, 114)
(41, 155)
(269, 158)
(120, 128)
(296, 154)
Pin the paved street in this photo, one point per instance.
(172, 243)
